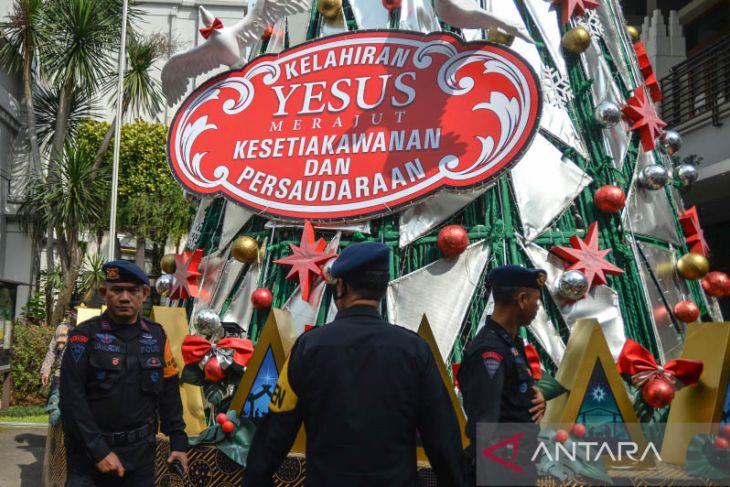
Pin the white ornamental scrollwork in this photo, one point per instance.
(190, 161)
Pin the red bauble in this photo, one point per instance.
(725, 430)
(579, 430)
(686, 311)
(221, 418)
(561, 436)
(391, 4)
(609, 199)
(721, 443)
(267, 33)
(658, 393)
(213, 371)
(261, 298)
(452, 240)
(716, 284)
(228, 426)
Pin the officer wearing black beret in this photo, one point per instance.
(364, 389)
(118, 376)
(495, 378)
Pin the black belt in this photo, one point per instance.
(127, 437)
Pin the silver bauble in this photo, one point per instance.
(654, 176)
(686, 174)
(207, 322)
(607, 114)
(572, 285)
(671, 142)
(164, 284)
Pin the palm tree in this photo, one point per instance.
(70, 201)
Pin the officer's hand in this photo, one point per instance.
(44, 379)
(111, 463)
(179, 455)
(538, 410)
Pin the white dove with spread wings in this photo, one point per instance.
(224, 46)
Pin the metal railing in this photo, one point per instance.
(699, 88)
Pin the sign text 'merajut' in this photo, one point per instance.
(356, 125)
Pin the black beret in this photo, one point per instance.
(124, 271)
(362, 256)
(517, 276)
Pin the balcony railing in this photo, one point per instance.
(698, 89)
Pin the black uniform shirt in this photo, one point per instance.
(116, 378)
(362, 387)
(495, 379)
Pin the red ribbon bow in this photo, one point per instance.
(194, 348)
(639, 363)
(208, 30)
(533, 360)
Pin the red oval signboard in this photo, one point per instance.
(356, 125)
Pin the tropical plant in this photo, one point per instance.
(92, 276)
(71, 202)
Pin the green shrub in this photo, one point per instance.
(30, 343)
(20, 411)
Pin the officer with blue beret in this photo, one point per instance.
(118, 376)
(496, 381)
(364, 389)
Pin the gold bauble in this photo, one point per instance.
(245, 249)
(633, 32)
(693, 266)
(576, 40)
(169, 264)
(500, 37)
(330, 9)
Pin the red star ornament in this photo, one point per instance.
(187, 275)
(694, 235)
(654, 89)
(306, 259)
(585, 256)
(570, 8)
(644, 117)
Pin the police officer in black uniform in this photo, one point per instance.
(496, 381)
(364, 389)
(118, 377)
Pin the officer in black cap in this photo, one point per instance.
(364, 389)
(118, 376)
(496, 380)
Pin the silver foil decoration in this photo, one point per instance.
(331, 312)
(297, 26)
(207, 322)
(604, 89)
(617, 40)
(234, 218)
(418, 15)
(240, 308)
(228, 278)
(211, 267)
(601, 302)
(164, 284)
(197, 226)
(555, 86)
(278, 36)
(363, 227)
(419, 219)
(305, 312)
(545, 185)
(650, 212)
(442, 291)
(546, 19)
(370, 14)
(673, 289)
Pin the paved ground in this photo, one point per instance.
(21, 455)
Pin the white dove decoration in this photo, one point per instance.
(224, 45)
(466, 14)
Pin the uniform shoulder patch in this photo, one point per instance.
(492, 360)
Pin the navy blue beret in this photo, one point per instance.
(124, 271)
(362, 256)
(517, 276)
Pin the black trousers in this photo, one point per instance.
(144, 476)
